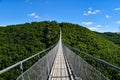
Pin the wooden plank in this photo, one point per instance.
(59, 69)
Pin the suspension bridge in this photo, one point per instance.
(60, 63)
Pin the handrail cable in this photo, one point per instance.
(99, 60)
(20, 62)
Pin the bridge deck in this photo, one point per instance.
(59, 70)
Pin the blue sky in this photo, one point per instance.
(97, 15)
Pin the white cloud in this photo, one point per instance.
(26, 0)
(107, 16)
(87, 23)
(118, 22)
(90, 11)
(3, 25)
(29, 2)
(117, 9)
(106, 26)
(34, 15)
(96, 28)
(90, 8)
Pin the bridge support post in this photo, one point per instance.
(101, 67)
(21, 69)
(38, 57)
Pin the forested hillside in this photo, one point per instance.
(18, 42)
(85, 40)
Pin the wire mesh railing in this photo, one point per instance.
(41, 69)
(80, 68)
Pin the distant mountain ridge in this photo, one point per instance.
(114, 37)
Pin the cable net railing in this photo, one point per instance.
(41, 69)
(80, 68)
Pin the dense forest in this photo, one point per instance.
(18, 42)
(94, 44)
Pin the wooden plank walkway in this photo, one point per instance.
(59, 70)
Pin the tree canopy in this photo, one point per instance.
(20, 41)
